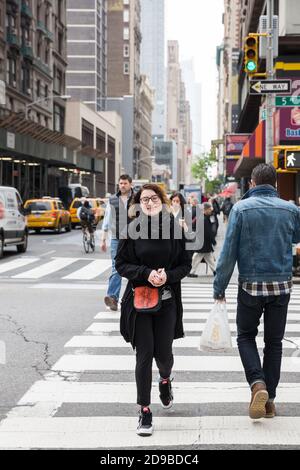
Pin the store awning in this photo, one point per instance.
(253, 152)
(16, 123)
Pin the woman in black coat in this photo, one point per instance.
(153, 256)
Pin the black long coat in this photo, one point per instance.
(129, 266)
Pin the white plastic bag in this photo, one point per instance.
(216, 334)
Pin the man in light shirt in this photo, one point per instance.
(115, 220)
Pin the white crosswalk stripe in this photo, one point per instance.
(37, 421)
(55, 267)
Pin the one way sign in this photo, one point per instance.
(292, 160)
(264, 87)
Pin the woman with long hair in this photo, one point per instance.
(154, 261)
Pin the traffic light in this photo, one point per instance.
(251, 54)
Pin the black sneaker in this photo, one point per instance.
(165, 393)
(145, 427)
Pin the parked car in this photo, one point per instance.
(48, 213)
(97, 204)
(13, 223)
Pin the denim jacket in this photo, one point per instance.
(259, 237)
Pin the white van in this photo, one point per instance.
(13, 224)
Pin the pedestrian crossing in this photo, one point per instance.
(96, 372)
(57, 268)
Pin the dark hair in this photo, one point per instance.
(153, 187)
(181, 199)
(137, 197)
(264, 174)
(126, 177)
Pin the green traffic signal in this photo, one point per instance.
(251, 54)
(251, 66)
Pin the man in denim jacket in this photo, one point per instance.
(259, 237)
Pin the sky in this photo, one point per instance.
(197, 25)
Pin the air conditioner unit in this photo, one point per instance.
(14, 31)
(29, 91)
(14, 83)
(263, 41)
(28, 44)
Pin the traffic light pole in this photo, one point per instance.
(270, 99)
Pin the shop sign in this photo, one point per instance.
(10, 140)
(234, 144)
(2, 92)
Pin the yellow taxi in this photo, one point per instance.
(48, 213)
(97, 204)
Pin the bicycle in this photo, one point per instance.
(88, 238)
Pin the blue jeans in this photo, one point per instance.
(115, 280)
(249, 312)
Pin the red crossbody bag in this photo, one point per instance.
(147, 299)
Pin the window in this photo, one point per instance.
(47, 18)
(59, 118)
(39, 47)
(126, 50)
(46, 91)
(38, 88)
(47, 55)
(59, 81)
(126, 68)
(126, 33)
(60, 10)
(60, 42)
(126, 16)
(87, 133)
(11, 71)
(25, 80)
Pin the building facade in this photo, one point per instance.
(101, 137)
(193, 94)
(179, 126)
(147, 105)
(37, 156)
(251, 108)
(87, 52)
(33, 59)
(153, 58)
(124, 80)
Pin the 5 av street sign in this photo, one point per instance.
(287, 101)
(264, 87)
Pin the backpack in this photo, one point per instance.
(84, 214)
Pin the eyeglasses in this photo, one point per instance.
(155, 199)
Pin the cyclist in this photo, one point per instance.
(86, 216)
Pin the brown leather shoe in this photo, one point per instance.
(270, 410)
(111, 303)
(260, 396)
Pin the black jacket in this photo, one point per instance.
(129, 265)
(209, 236)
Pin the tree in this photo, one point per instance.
(203, 164)
(213, 186)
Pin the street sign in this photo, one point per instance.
(287, 101)
(266, 87)
(292, 160)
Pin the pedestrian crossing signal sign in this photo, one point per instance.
(292, 160)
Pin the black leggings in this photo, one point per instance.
(154, 335)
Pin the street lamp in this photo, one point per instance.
(64, 97)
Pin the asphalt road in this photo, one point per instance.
(67, 377)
